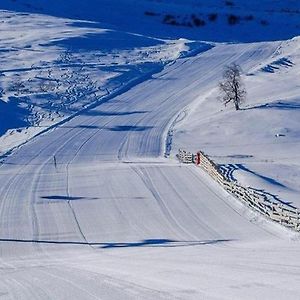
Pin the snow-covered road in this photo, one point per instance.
(91, 210)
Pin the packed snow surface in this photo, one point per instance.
(88, 210)
(89, 206)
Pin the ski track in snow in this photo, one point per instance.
(115, 220)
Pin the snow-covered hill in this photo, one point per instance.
(214, 20)
(260, 143)
(89, 207)
(53, 64)
(52, 68)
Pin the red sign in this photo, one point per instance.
(198, 158)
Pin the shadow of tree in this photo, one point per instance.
(280, 105)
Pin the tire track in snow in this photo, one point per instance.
(146, 179)
(17, 181)
(202, 224)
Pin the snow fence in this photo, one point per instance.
(276, 211)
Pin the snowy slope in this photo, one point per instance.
(110, 219)
(260, 144)
(52, 68)
(90, 209)
(214, 20)
(80, 62)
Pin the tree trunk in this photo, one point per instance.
(237, 107)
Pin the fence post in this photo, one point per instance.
(198, 158)
(281, 213)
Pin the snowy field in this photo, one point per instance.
(90, 208)
(260, 144)
(52, 68)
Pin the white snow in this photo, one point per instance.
(260, 143)
(52, 68)
(90, 208)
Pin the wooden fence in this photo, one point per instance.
(279, 212)
(185, 157)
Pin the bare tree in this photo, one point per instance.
(232, 87)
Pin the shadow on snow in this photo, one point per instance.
(65, 198)
(112, 113)
(12, 116)
(129, 128)
(280, 105)
(143, 243)
(105, 41)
